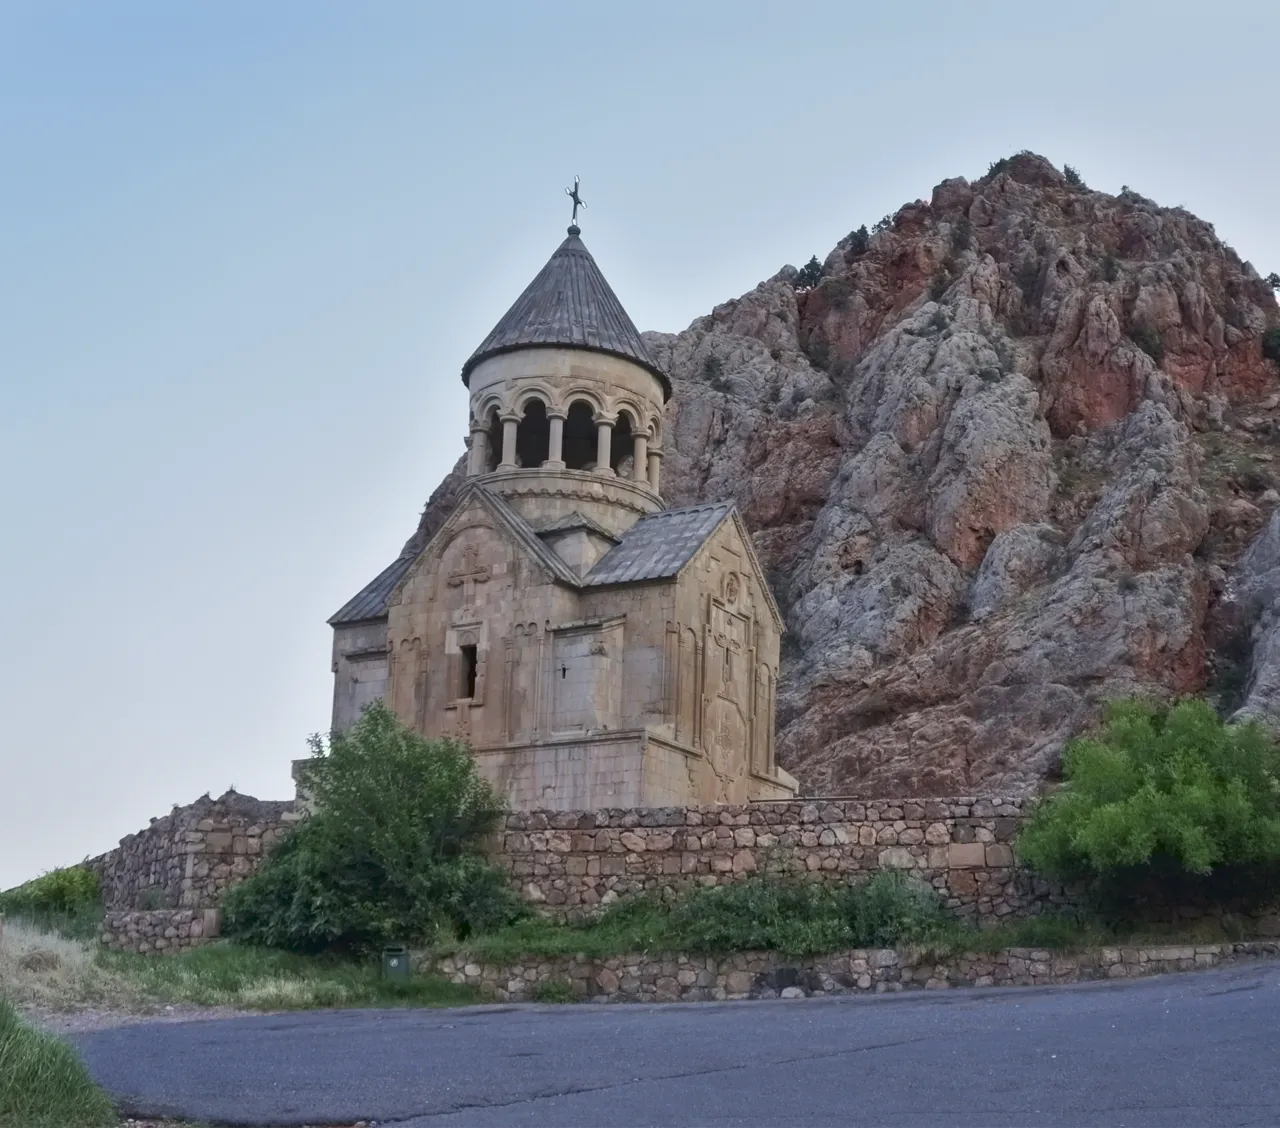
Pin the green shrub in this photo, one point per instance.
(1271, 344)
(962, 235)
(884, 223)
(393, 852)
(758, 913)
(1164, 804)
(1027, 276)
(65, 901)
(892, 909)
(1148, 340)
(859, 241)
(837, 292)
(58, 891)
(43, 1082)
(1273, 280)
(1073, 177)
(810, 274)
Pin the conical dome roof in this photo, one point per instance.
(569, 304)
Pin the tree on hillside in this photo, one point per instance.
(392, 852)
(1163, 804)
(809, 275)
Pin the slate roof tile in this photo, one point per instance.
(657, 546)
(370, 602)
(568, 303)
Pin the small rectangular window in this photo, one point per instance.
(468, 679)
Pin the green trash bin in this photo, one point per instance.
(395, 963)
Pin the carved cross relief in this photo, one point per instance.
(471, 573)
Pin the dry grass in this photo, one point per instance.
(47, 971)
(42, 972)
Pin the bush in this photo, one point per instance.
(1163, 805)
(58, 891)
(759, 913)
(393, 852)
(65, 901)
(810, 274)
(1027, 276)
(1273, 280)
(1073, 176)
(962, 235)
(43, 1082)
(1148, 340)
(1271, 344)
(860, 240)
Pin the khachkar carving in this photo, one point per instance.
(471, 572)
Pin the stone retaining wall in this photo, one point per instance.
(570, 863)
(190, 857)
(768, 975)
(160, 930)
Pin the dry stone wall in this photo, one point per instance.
(190, 857)
(642, 977)
(159, 930)
(571, 864)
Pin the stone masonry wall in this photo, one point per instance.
(672, 977)
(571, 863)
(161, 930)
(190, 857)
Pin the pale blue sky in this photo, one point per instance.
(246, 246)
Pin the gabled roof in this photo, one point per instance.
(370, 602)
(519, 529)
(572, 522)
(657, 546)
(568, 304)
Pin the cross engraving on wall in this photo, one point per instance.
(471, 573)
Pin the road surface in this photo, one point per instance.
(1192, 1049)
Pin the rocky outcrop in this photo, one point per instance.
(1000, 463)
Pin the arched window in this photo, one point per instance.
(493, 445)
(622, 448)
(533, 435)
(580, 436)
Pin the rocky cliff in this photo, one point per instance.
(1009, 455)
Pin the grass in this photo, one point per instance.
(47, 971)
(770, 914)
(227, 974)
(649, 932)
(43, 1083)
(805, 918)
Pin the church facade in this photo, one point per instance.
(593, 647)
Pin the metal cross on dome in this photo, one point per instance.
(578, 201)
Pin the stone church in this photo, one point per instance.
(594, 648)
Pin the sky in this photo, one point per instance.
(245, 248)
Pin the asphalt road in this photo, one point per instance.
(1193, 1049)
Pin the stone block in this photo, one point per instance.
(999, 856)
(897, 857)
(966, 855)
